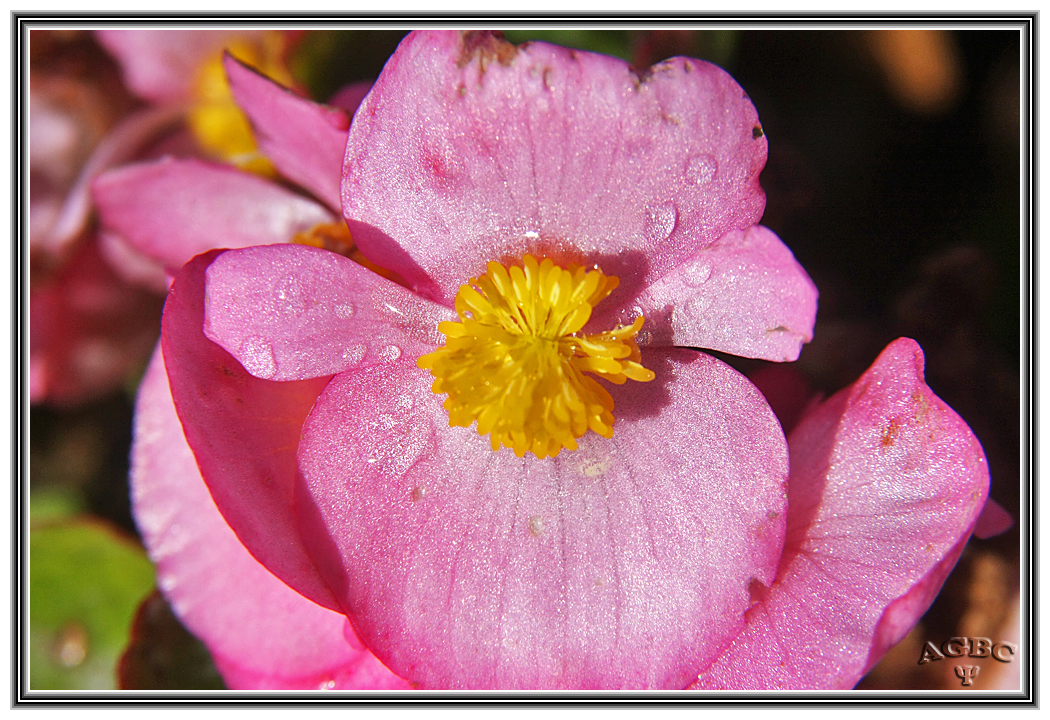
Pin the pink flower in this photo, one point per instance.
(644, 559)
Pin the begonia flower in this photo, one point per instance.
(184, 68)
(83, 348)
(634, 547)
(260, 633)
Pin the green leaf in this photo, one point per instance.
(85, 581)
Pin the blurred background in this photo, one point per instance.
(893, 175)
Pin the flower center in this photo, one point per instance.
(515, 360)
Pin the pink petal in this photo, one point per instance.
(305, 140)
(291, 312)
(469, 150)
(886, 485)
(626, 563)
(121, 143)
(365, 674)
(132, 265)
(744, 294)
(244, 433)
(174, 209)
(275, 637)
(993, 520)
(89, 331)
(163, 65)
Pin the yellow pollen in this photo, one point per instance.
(515, 360)
(335, 237)
(216, 121)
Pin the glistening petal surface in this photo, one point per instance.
(469, 149)
(290, 312)
(625, 563)
(886, 485)
(744, 294)
(174, 209)
(304, 140)
(243, 432)
(262, 633)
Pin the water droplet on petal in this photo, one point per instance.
(390, 353)
(354, 354)
(698, 305)
(418, 493)
(536, 525)
(290, 296)
(696, 273)
(701, 169)
(326, 685)
(257, 357)
(344, 310)
(660, 221)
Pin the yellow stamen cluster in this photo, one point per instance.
(216, 121)
(515, 361)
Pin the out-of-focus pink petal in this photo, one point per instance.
(291, 312)
(173, 209)
(162, 65)
(993, 520)
(88, 330)
(626, 563)
(469, 150)
(262, 633)
(244, 433)
(744, 294)
(350, 96)
(304, 140)
(886, 485)
(132, 265)
(120, 144)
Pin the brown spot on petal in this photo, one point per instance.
(486, 45)
(891, 433)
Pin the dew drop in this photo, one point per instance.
(344, 310)
(290, 297)
(696, 273)
(418, 493)
(326, 685)
(390, 353)
(660, 221)
(257, 357)
(536, 525)
(698, 305)
(701, 169)
(354, 354)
